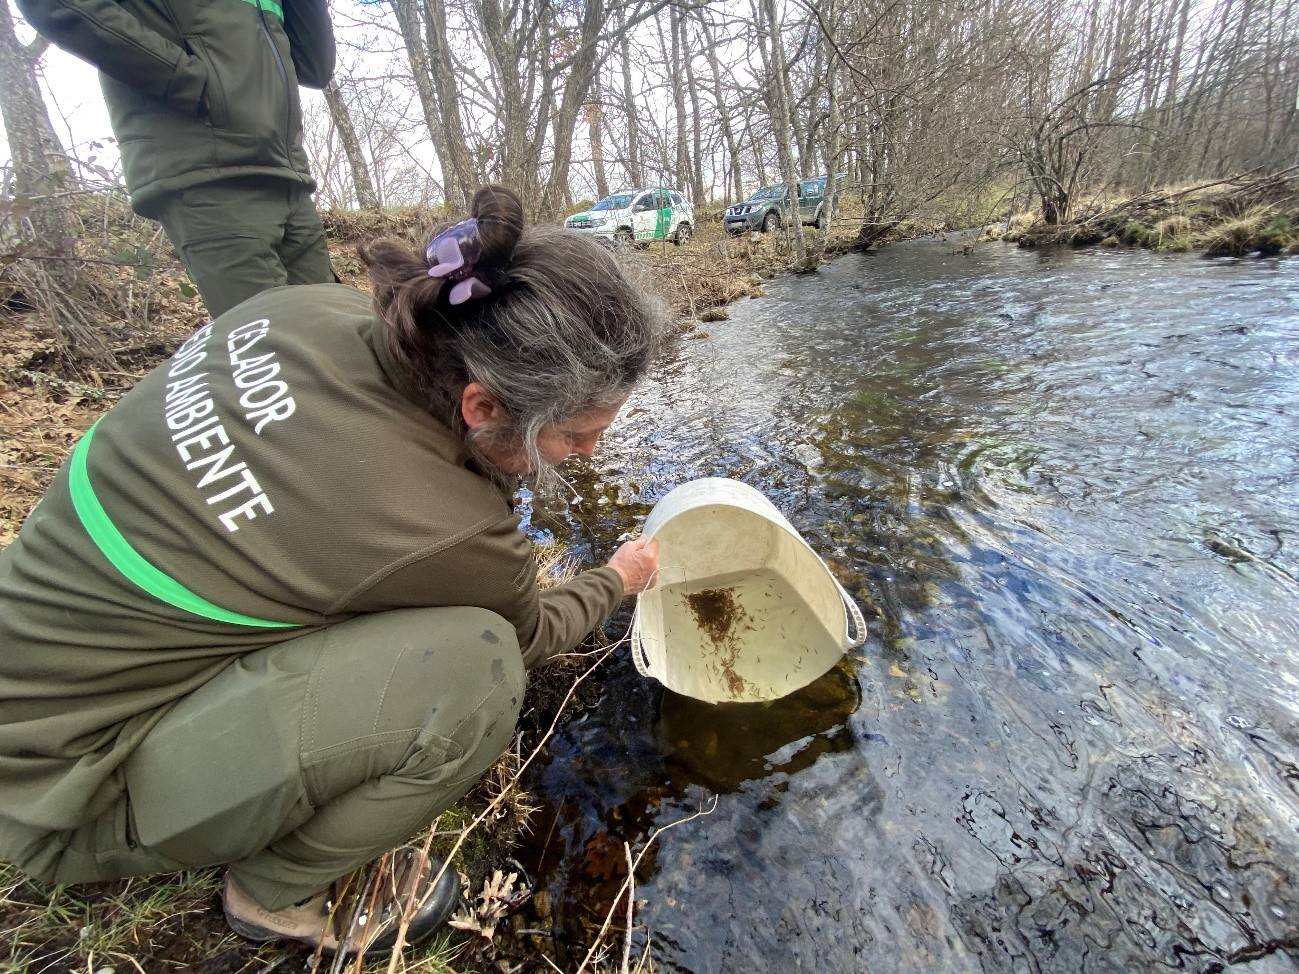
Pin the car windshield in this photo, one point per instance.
(769, 193)
(614, 203)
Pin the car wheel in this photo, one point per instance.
(623, 237)
(683, 234)
(771, 222)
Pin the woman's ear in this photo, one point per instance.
(479, 407)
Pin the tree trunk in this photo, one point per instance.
(807, 149)
(444, 82)
(682, 174)
(581, 73)
(781, 124)
(723, 115)
(831, 149)
(412, 35)
(595, 123)
(634, 170)
(511, 57)
(696, 138)
(361, 181)
(22, 109)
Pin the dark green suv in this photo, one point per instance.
(768, 209)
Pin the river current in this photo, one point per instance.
(1063, 486)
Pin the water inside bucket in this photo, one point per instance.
(744, 635)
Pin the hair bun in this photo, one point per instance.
(500, 223)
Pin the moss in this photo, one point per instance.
(1276, 236)
(1138, 234)
(1089, 235)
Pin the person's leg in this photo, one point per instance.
(446, 711)
(229, 234)
(304, 251)
(302, 761)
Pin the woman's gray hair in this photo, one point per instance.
(567, 326)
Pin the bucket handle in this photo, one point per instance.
(854, 622)
(638, 656)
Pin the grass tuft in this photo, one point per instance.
(1236, 237)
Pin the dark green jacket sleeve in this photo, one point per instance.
(311, 39)
(492, 567)
(103, 33)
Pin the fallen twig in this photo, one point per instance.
(400, 945)
(629, 883)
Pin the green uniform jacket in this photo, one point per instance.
(274, 467)
(198, 90)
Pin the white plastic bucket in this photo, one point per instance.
(743, 608)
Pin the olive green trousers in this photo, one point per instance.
(302, 761)
(239, 237)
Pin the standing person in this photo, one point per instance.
(276, 609)
(203, 99)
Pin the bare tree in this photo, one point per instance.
(630, 112)
(777, 85)
(342, 120)
(40, 167)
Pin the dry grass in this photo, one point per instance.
(1236, 216)
(1237, 236)
(1172, 234)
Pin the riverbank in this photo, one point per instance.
(66, 356)
(71, 347)
(1234, 217)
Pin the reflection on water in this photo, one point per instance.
(1064, 485)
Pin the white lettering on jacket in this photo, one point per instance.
(201, 440)
(266, 398)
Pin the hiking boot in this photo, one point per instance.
(347, 925)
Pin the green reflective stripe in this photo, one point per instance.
(103, 532)
(270, 6)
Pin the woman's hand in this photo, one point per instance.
(636, 562)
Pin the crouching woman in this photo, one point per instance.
(275, 611)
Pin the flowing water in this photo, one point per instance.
(1063, 487)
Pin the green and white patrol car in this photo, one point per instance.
(638, 215)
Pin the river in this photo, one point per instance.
(1063, 486)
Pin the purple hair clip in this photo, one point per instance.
(452, 254)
